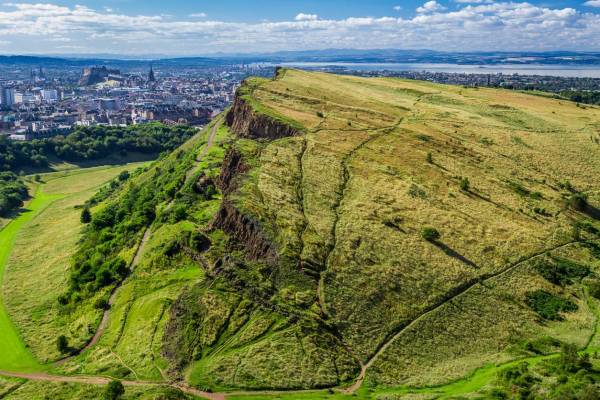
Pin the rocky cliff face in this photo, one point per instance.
(94, 75)
(246, 231)
(232, 165)
(246, 122)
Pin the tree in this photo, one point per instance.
(114, 390)
(62, 344)
(430, 234)
(86, 216)
(123, 176)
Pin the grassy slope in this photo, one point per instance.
(131, 346)
(348, 200)
(353, 195)
(15, 355)
(37, 261)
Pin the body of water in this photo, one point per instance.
(571, 71)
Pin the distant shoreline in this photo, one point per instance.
(568, 71)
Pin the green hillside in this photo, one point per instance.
(380, 237)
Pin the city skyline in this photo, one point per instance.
(203, 28)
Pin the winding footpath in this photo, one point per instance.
(13, 350)
(358, 383)
(37, 204)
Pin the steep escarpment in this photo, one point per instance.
(410, 230)
(333, 214)
(245, 231)
(245, 121)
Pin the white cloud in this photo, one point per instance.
(592, 3)
(37, 28)
(199, 15)
(474, 1)
(397, 8)
(430, 6)
(306, 17)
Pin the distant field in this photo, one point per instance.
(35, 263)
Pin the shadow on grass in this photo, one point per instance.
(113, 159)
(454, 254)
(591, 212)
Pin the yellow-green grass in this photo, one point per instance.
(353, 193)
(18, 389)
(132, 343)
(37, 268)
(15, 354)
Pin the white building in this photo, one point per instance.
(49, 95)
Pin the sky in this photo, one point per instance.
(199, 27)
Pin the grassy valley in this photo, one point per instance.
(326, 237)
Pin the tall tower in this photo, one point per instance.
(151, 78)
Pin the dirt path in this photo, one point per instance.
(102, 380)
(209, 143)
(137, 257)
(358, 383)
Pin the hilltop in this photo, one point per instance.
(342, 232)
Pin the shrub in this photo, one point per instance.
(320, 114)
(429, 158)
(464, 184)
(430, 234)
(123, 176)
(549, 306)
(114, 390)
(101, 304)
(561, 271)
(86, 216)
(594, 289)
(578, 201)
(62, 344)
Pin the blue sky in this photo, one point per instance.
(198, 27)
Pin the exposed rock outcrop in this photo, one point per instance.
(94, 75)
(246, 122)
(246, 231)
(233, 165)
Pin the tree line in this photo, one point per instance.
(92, 143)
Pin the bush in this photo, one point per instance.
(114, 390)
(464, 184)
(429, 158)
(101, 304)
(320, 114)
(549, 306)
(12, 193)
(561, 271)
(430, 234)
(62, 344)
(123, 176)
(86, 216)
(578, 201)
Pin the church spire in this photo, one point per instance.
(151, 77)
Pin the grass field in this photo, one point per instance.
(377, 161)
(34, 260)
(315, 260)
(15, 355)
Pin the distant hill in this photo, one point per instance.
(342, 232)
(326, 55)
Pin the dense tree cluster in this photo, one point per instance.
(12, 193)
(92, 143)
(116, 226)
(580, 96)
